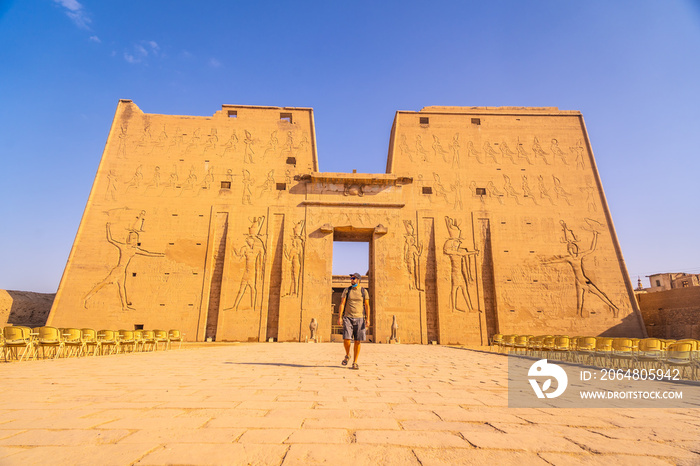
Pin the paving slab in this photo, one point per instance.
(290, 404)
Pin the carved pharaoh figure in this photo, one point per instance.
(582, 282)
(412, 250)
(294, 254)
(460, 269)
(117, 276)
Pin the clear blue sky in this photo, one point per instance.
(631, 67)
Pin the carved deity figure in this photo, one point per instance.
(460, 269)
(578, 151)
(560, 191)
(412, 250)
(489, 152)
(574, 259)
(271, 149)
(506, 153)
(394, 329)
(212, 141)
(136, 180)
(557, 152)
(455, 146)
(405, 149)
(155, 181)
(253, 253)
(472, 152)
(230, 145)
(510, 190)
(111, 185)
(422, 153)
(440, 190)
(249, 153)
(544, 192)
(294, 254)
(439, 150)
(117, 276)
(247, 192)
(526, 190)
(123, 137)
(522, 154)
(538, 151)
(269, 184)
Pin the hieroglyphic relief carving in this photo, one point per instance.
(146, 135)
(190, 182)
(472, 152)
(112, 179)
(268, 185)
(509, 189)
(412, 250)
(253, 252)
(211, 142)
(295, 254)
(288, 148)
(456, 187)
(440, 190)
(544, 192)
(123, 137)
(578, 150)
(208, 179)
(162, 139)
(303, 143)
(139, 222)
(155, 181)
(173, 178)
(178, 138)
(494, 192)
(557, 152)
(454, 146)
(230, 145)
(560, 191)
(271, 149)
(489, 152)
(135, 181)
(589, 190)
(527, 193)
(460, 265)
(506, 153)
(574, 259)
(439, 150)
(522, 154)
(538, 151)
(405, 150)
(420, 151)
(194, 140)
(117, 276)
(247, 191)
(249, 153)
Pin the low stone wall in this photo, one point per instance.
(25, 308)
(672, 313)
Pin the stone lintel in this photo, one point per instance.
(357, 178)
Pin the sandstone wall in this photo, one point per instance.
(672, 314)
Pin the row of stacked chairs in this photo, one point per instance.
(608, 352)
(23, 343)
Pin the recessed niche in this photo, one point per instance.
(286, 117)
(481, 191)
(291, 160)
(424, 121)
(224, 185)
(476, 121)
(233, 114)
(281, 186)
(427, 190)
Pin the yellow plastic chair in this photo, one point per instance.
(520, 343)
(48, 337)
(148, 342)
(73, 344)
(177, 336)
(603, 349)
(585, 347)
(109, 342)
(138, 338)
(127, 340)
(161, 336)
(17, 338)
(622, 351)
(508, 341)
(650, 353)
(90, 341)
(562, 346)
(680, 355)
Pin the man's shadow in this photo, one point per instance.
(274, 364)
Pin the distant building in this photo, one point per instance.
(670, 281)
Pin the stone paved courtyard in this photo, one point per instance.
(293, 403)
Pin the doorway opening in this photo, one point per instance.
(351, 254)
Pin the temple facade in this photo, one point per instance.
(487, 220)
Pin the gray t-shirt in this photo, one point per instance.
(354, 305)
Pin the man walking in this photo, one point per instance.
(354, 317)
